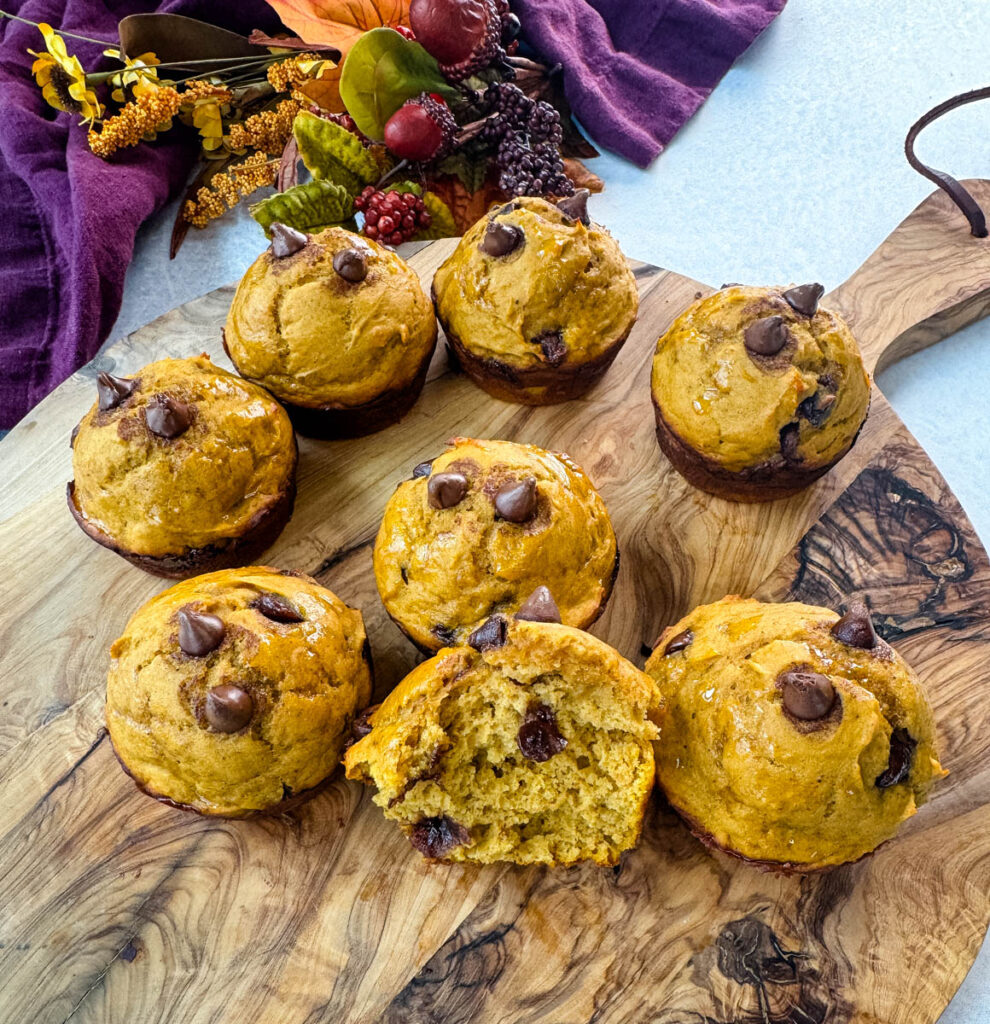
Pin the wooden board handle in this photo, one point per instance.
(930, 278)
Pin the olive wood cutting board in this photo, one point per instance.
(116, 908)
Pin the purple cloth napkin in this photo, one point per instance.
(68, 218)
(636, 70)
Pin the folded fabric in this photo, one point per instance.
(70, 218)
(636, 70)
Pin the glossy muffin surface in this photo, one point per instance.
(749, 386)
(316, 338)
(191, 457)
(523, 518)
(792, 737)
(234, 691)
(533, 747)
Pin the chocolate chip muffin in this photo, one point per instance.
(337, 327)
(793, 737)
(183, 468)
(758, 391)
(234, 693)
(487, 527)
(536, 301)
(532, 744)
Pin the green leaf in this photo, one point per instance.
(442, 220)
(315, 204)
(471, 170)
(382, 70)
(404, 186)
(333, 153)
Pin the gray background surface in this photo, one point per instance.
(793, 171)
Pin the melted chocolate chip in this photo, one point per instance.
(807, 695)
(422, 469)
(362, 724)
(111, 391)
(199, 632)
(445, 490)
(552, 346)
(817, 408)
(576, 206)
(167, 417)
(501, 239)
(539, 607)
(490, 634)
(855, 628)
(902, 745)
(286, 241)
(228, 708)
(539, 738)
(276, 608)
(351, 265)
(677, 643)
(730, 284)
(804, 298)
(446, 635)
(789, 438)
(436, 837)
(516, 500)
(507, 208)
(766, 337)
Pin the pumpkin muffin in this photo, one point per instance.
(532, 744)
(337, 327)
(793, 737)
(758, 391)
(182, 468)
(536, 301)
(235, 692)
(487, 527)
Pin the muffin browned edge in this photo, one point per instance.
(766, 481)
(510, 383)
(337, 422)
(262, 531)
(430, 651)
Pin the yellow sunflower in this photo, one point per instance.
(139, 74)
(62, 79)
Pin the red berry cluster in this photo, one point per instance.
(391, 217)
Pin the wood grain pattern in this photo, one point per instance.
(115, 908)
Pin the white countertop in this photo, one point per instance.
(792, 171)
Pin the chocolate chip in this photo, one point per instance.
(167, 417)
(902, 745)
(516, 500)
(445, 490)
(730, 284)
(501, 239)
(351, 265)
(552, 346)
(228, 708)
(804, 298)
(436, 837)
(538, 737)
(286, 241)
(276, 608)
(817, 408)
(111, 391)
(789, 439)
(507, 208)
(74, 435)
(677, 643)
(855, 628)
(490, 634)
(362, 724)
(807, 695)
(576, 206)
(446, 635)
(766, 337)
(199, 632)
(422, 469)
(539, 607)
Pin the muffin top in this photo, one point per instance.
(232, 691)
(791, 735)
(747, 375)
(335, 321)
(180, 456)
(480, 529)
(532, 286)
